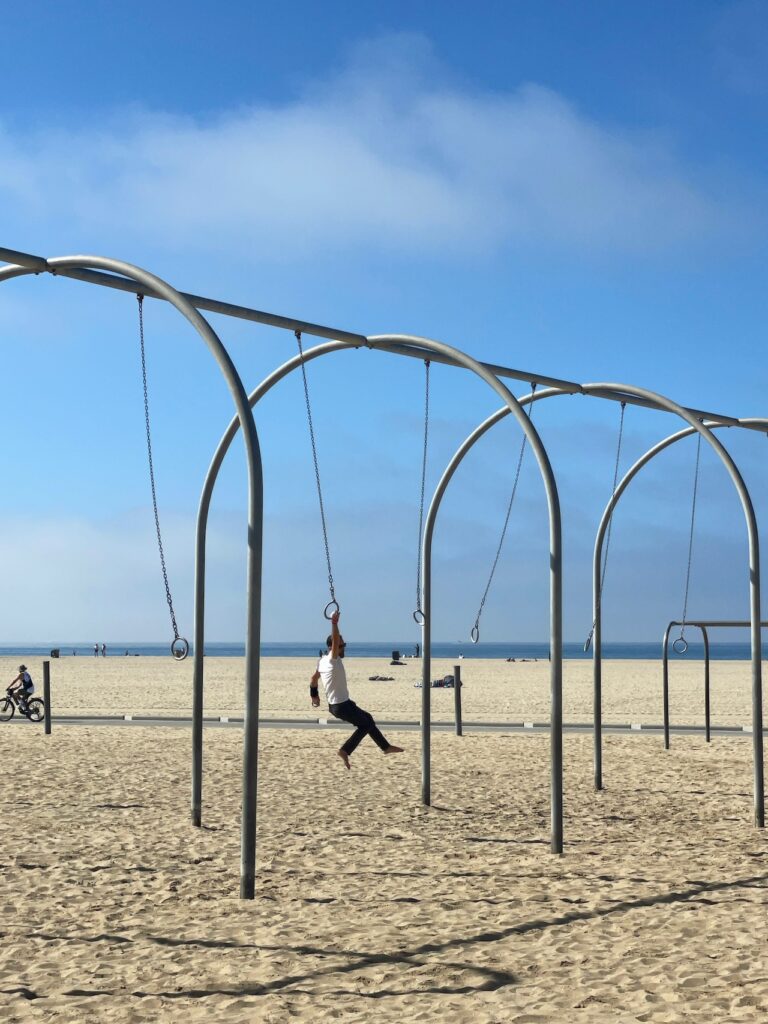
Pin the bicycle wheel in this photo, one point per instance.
(35, 710)
(7, 709)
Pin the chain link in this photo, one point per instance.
(476, 628)
(168, 597)
(423, 483)
(690, 535)
(588, 641)
(317, 470)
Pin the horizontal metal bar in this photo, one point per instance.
(39, 265)
(566, 386)
(136, 721)
(717, 622)
(726, 421)
(24, 259)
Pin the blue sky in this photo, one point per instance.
(578, 190)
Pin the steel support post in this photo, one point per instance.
(705, 637)
(47, 696)
(457, 699)
(665, 683)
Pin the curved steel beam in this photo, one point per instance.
(754, 583)
(145, 279)
(398, 343)
(556, 609)
(198, 681)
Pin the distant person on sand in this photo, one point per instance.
(95, 650)
(23, 687)
(331, 670)
(103, 650)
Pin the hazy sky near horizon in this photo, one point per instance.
(576, 190)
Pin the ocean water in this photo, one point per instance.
(724, 651)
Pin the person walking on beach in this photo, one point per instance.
(103, 650)
(331, 670)
(95, 650)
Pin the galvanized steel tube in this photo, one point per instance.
(145, 280)
(753, 575)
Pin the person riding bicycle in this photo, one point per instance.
(22, 687)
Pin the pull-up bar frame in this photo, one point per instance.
(703, 625)
(122, 277)
(754, 596)
(39, 265)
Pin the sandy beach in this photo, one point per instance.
(494, 691)
(370, 906)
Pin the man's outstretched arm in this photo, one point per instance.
(313, 691)
(335, 635)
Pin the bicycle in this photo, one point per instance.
(34, 710)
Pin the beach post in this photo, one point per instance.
(705, 637)
(47, 695)
(457, 698)
(665, 682)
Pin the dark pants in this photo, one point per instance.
(348, 711)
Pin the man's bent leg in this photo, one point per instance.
(350, 712)
(353, 742)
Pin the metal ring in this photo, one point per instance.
(474, 634)
(680, 646)
(331, 604)
(587, 643)
(180, 648)
(419, 617)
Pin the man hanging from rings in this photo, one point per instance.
(331, 670)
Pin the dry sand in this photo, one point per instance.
(494, 691)
(369, 906)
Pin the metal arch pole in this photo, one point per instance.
(397, 347)
(201, 534)
(665, 672)
(144, 279)
(753, 423)
(556, 623)
(754, 564)
(426, 563)
(198, 676)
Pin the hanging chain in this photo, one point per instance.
(168, 597)
(317, 470)
(419, 614)
(690, 535)
(475, 632)
(588, 641)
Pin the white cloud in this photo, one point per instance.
(381, 154)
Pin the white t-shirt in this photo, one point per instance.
(334, 679)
